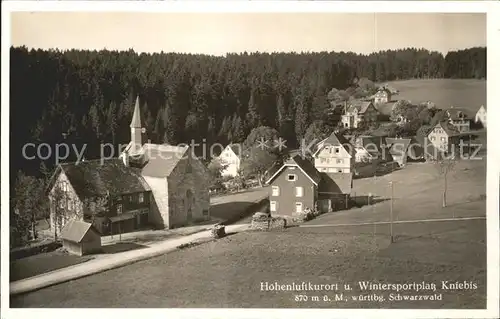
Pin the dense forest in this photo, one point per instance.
(87, 97)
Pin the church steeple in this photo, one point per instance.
(136, 118)
(135, 126)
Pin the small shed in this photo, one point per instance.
(80, 238)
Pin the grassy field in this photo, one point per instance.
(42, 263)
(229, 272)
(468, 94)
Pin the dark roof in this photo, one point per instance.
(75, 230)
(98, 177)
(236, 148)
(455, 112)
(398, 146)
(338, 183)
(360, 105)
(304, 164)
(449, 128)
(335, 139)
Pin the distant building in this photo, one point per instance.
(297, 185)
(398, 149)
(334, 155)
(382, 96)
(458, 117)
(80, 238)
(359, 114)
(231, 157)
(155, 185)
(368, 149)
(481, 116)
(443, 136)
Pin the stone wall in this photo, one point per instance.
(261, 222)
(189, 176)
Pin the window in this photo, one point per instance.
(340, 171)
(322, 160)
(443, 139)
(64, 187)
(298, 207)
(272, 206)
(141, 197)
(70, 204)
(340, 161)
(337, 150)
(276, 191)
(92, 207)
(433, 138)
(299, 191)
(291, 177)
(119, 208)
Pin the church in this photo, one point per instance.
(148, 185)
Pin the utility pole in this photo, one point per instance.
(392, 199)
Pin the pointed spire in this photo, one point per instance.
(136, 118)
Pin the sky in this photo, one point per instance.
(220, 33)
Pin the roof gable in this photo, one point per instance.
(333, 140)
(304, 165)
(235, 149)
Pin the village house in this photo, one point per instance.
(443, 136)
(297, 185)
(481, 116)
(368, 149)
(359, 114)
(334, 155)
(80, 238)
(231, 158)
(162, 186)
(458, 118)
(382, 96)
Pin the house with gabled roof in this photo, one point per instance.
(480, 116)
(162, 186)
(230, 157)
(368, 149)
(298, 185)
(335, 154)
(80, 238)
(359, 113)
(444, 136)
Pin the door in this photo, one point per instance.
(189, 200)
(298, 207)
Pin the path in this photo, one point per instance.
(113, 261)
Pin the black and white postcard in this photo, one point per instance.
(273, 158)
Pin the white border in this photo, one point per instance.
(493, 157)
